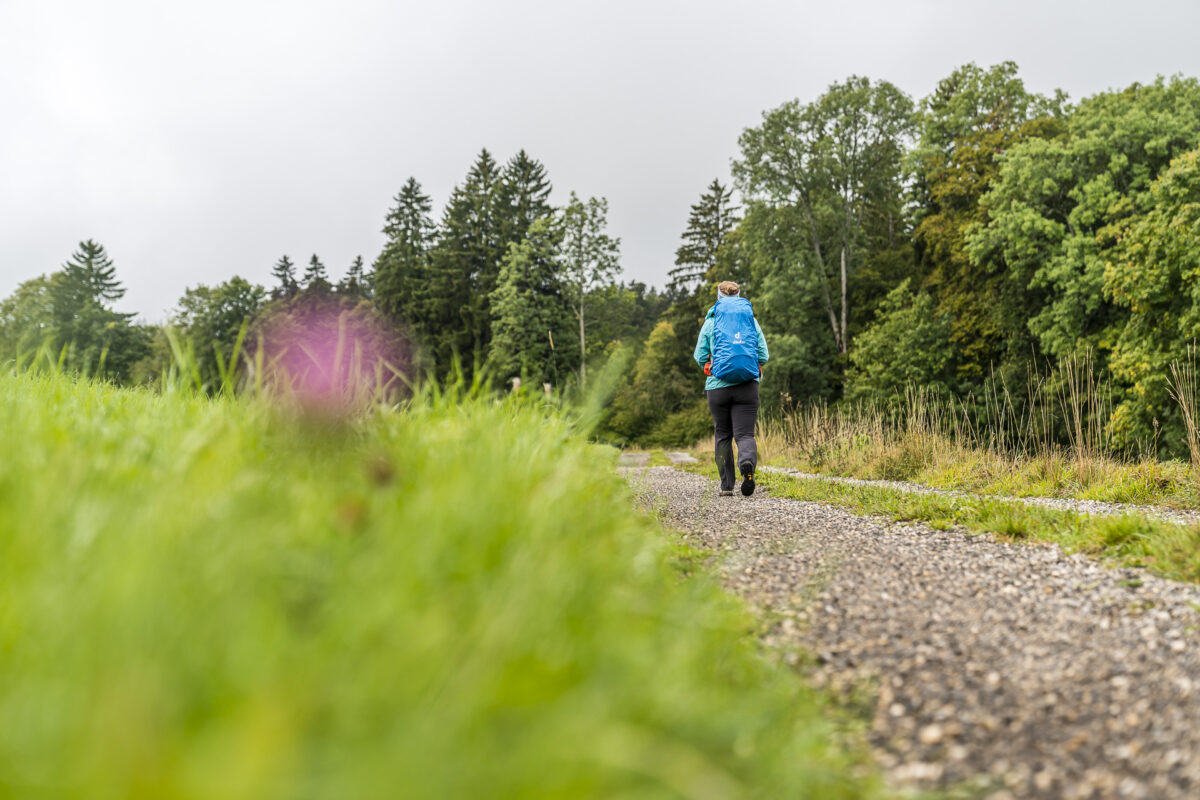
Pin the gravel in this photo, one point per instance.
(1012, 668)
(1183, 517)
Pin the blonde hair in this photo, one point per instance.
(728, 288)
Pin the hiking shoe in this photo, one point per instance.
(747, 479)
(725, 493)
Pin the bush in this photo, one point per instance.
(909, 342)
(664, 380)
(681, 429)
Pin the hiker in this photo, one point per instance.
(732, 350)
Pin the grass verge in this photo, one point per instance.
(926, 443)
(209, 598)
(1170, 550)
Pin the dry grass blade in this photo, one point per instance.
(1182, 386)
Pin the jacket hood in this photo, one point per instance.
(712, 312)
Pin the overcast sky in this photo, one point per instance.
(201, 140)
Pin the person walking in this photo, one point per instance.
(732, 350)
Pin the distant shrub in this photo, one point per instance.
(682, 428)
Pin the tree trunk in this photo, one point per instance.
(844, 343)
(833, 323)
(824, 278)
(582, 348)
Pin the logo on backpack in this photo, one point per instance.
(735, 341)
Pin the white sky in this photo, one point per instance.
(201, 140)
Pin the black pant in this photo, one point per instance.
(734, 410)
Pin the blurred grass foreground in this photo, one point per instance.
(204, 597)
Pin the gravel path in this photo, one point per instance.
(1011, 667)
(1180, 516)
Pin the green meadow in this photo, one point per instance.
(219, 598)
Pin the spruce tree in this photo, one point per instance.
(91, 271)
(315, 278)
(354, 283)
(402, 268)
(464, 266)
(712, 218)
(524, 195)
(87, 282)
(531, 322)
(97, 339)
(284, 271)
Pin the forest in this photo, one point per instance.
(968, 243)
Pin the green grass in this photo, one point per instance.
(208, 598)
(1132, 539)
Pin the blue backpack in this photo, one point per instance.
(735, 341)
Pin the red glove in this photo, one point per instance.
(708, 368)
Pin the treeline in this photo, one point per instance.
(981, 235)
(505, 284)
(68, 316)
(969, 240)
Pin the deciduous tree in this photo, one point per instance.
(908, 344)
(838, 161)
(970, 119)
(214, 318)
(591, 259)
(1154, 275)
(1056, 210)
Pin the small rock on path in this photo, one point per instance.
(1015, 666)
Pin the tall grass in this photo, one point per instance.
(1182, 385)
(1051, 438)
(215, 597)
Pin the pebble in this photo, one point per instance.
(1012, 666)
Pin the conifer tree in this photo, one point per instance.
(97, 338)
(465, 264)
(284, 271)
(402, 268)
(531, 323)
(315, 278)
(524, 195)
(354, 283)
(87, 282)
(90, 272)
(712, 218)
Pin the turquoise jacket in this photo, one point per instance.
(704, 348)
